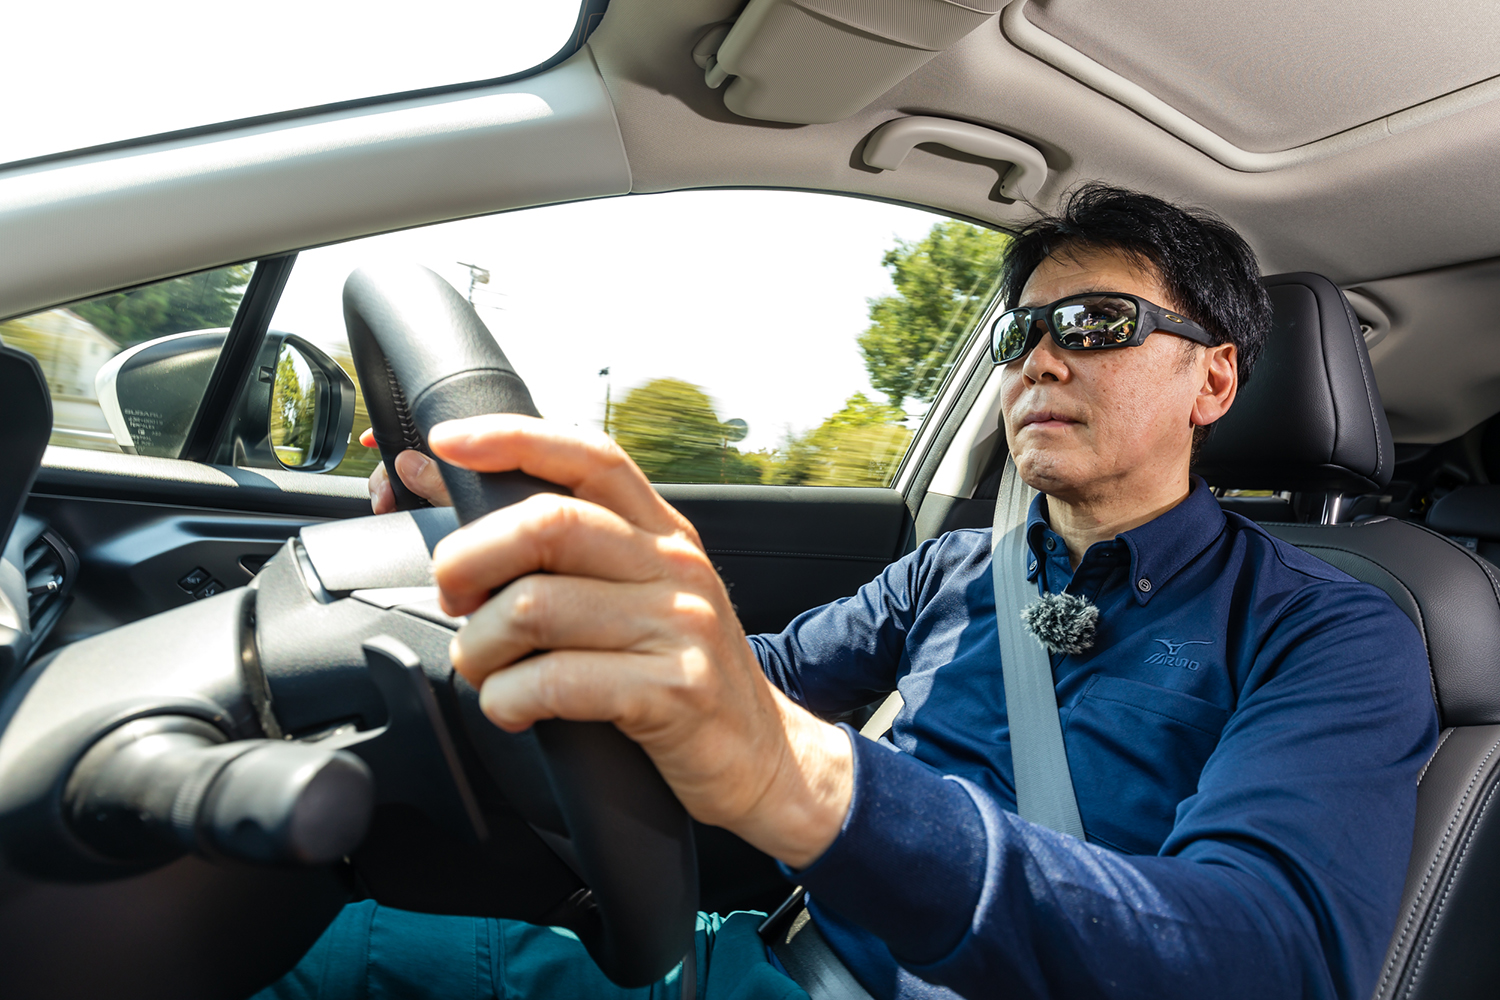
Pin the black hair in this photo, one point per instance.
(1208, 268)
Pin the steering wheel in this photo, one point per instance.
(423, 357)
(238, 765)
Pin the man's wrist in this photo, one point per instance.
(804, 805)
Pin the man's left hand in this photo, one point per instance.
(604, 606)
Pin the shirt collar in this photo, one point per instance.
(1159, 549)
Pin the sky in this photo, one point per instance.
(81, 76)
(757, 296)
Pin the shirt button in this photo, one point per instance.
(1051, 544)
(1143, 585)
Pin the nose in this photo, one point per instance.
(1045, 362)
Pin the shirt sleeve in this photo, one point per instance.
(1282, 875)
(846, 654)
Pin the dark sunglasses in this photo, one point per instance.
(1095, 321)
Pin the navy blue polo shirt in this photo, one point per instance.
(1244, 738)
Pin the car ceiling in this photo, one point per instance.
(1397, 198)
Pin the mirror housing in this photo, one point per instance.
(249, 442)
(151, 392)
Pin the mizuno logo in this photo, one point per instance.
(1169, 657)
(1174, 647)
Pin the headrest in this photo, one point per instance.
(1310, 418)
(1469, 511)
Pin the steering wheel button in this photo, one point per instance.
(197, 578)
(209, 589)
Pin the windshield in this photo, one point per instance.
(113, 72)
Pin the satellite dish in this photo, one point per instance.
(735, 430)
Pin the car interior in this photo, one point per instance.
(226, 707)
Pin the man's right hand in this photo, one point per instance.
(417, 471)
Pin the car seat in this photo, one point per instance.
(1311, 421)
(1470, 515)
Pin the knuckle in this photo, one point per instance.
(695, 616)
(529, 608)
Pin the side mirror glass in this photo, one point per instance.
(298, 400)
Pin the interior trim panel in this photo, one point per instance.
(89, 225)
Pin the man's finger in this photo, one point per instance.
(556, 534)
(423, 477)
(593, 467)
(585, 686)
(382, 497)
(542, 611)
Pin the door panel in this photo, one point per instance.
(785, 549)
(137, 559)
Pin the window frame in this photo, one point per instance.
(590, 13)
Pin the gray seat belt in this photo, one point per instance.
(1044, 784)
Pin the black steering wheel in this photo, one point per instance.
(424, 356)
(189, 799)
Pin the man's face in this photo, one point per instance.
(1085, 423)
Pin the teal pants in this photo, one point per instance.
(376, 953)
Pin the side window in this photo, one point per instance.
(84, 347)
(718, 336)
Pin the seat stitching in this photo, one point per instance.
(1443, 738)
(1448, 889)
(1437, 856)
(1364, 360)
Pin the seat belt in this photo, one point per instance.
(1044, 783)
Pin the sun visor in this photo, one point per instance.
(815, 61)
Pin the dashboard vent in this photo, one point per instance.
(50, 565)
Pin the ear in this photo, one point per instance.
(1219, 367)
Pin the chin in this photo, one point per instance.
(1047, 471)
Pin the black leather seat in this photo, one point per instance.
(1470, 515)
(1311, 421)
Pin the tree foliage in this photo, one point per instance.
(671, 430)
(860, 445)
(293, 399)
(200, 301)
(943, 283)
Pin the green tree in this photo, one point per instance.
(293, 398)
(200, 301)
(860, 445)
(671, 430)
(943, 283)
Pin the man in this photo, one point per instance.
(1244, 734)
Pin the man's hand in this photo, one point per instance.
(417, 471)
(604, 606)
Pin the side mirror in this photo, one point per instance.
(295, 412)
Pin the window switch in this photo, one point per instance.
(194, 580)
(209, 589)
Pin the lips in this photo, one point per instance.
(1048, 418)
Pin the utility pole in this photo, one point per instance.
(477, 276)
(604, 374)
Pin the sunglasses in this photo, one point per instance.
(1095, 321)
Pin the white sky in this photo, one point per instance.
(757, 296)
(80, 75)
